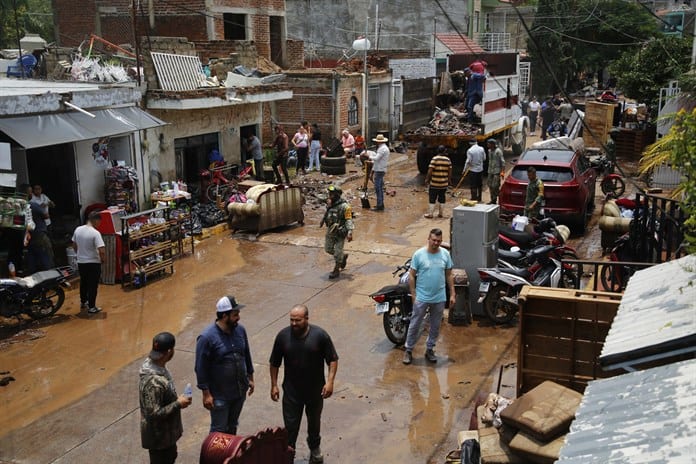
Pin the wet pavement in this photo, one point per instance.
(75, 397)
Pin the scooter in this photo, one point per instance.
(612, 184)
(39, 295)
(394, 304)
(544, 232)
(500, 287)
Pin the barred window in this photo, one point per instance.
(353, 112)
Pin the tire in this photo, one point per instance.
(215, 190)
(613, 187)
(498, 312)
(333, 162)
(423, 157)
(47, 303)
(611, 278)
(518, 148)
(333, 170)
(570, 275)
(395, 323)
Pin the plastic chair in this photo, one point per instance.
(26, 61)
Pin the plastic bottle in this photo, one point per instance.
(188, 391)
(11, 269)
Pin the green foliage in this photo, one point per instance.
(583, 36)
(32, 16)
(641, 75)
(679, 148)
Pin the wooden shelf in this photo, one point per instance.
(147, 230)
(149, 250)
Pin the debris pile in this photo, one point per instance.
(448, 122)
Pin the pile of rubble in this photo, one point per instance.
(448, 122)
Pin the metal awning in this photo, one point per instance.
(56, 128)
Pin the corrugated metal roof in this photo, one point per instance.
(636, 418)
(178, 72)
(459, 44)
(657, 313)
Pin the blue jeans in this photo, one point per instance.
(224, 416)
(379, 188)
(414, 327)
(314, 150)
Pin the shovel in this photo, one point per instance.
(363, 198)
(461, 179)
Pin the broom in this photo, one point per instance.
(363, 198)
(461, 179)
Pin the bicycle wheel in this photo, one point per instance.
(613, 187)
(216, 191)
(611, 277)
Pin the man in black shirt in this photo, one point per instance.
(304, 349)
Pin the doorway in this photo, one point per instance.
(192, 155)
(43, 164)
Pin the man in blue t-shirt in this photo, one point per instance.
(431, 270)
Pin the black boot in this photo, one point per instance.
(344, 261)
(336, 271)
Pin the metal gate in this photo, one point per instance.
(417, 103)
(657, 229)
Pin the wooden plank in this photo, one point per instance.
(565, 348)
(149, 250)
(586, 310)
(564, 328)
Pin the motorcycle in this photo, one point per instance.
(612, 185)
(500, 287)
(395, 305)
(38, 296)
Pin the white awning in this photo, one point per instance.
(53, 129)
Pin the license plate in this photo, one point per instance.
(483, 287)
(381, 308)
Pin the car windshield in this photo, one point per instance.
(546, 174)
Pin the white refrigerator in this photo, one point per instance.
(474, 242)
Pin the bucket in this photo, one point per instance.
(71, 256)
(520, 222)
(219, 446)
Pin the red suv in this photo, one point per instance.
(569, 184)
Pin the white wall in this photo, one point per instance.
(90, 175)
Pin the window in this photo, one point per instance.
(235, 26)
(476, 21)
(353, 112)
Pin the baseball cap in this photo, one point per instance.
(162, 342)
(228, 303)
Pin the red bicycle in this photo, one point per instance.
(221, 187)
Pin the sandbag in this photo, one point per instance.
(610, 208)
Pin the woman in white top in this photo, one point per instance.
(301, 143)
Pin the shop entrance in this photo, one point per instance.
(53, 167)
(192, 155)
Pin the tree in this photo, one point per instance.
(575, 37)
(641, 75)
(30, 16)
(679, 149)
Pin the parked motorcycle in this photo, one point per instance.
(39, 295)
(612, 185)
(395, 305)
(500, 287)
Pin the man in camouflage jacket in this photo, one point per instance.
(160, 407)
(339, 228)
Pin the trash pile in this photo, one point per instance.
(91, 70)
(448, 122)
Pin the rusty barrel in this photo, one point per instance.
(269, 446)
(219, 446)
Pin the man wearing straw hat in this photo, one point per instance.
(380, 158)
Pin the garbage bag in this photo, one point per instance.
(471, 452)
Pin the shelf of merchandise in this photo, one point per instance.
(159, 238)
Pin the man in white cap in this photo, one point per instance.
(224, 370)
(380, 158)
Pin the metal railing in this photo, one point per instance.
(606, 276)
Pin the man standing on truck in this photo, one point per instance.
(474, 91)
(475, 156)
(496, 169)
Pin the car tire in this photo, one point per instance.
(518, 148)
(333, 170)
(423, 157)
(333, 162)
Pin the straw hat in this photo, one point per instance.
(380, 139)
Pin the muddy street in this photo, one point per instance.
(75, 394)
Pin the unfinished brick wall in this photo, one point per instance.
(262, 31)
(312, 101)
(295, 54)
(349, 86)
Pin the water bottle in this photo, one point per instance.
(188, 391)
(11, 269)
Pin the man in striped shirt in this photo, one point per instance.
(438, 179)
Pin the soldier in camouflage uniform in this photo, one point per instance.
(160, 407)
(339, 228)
